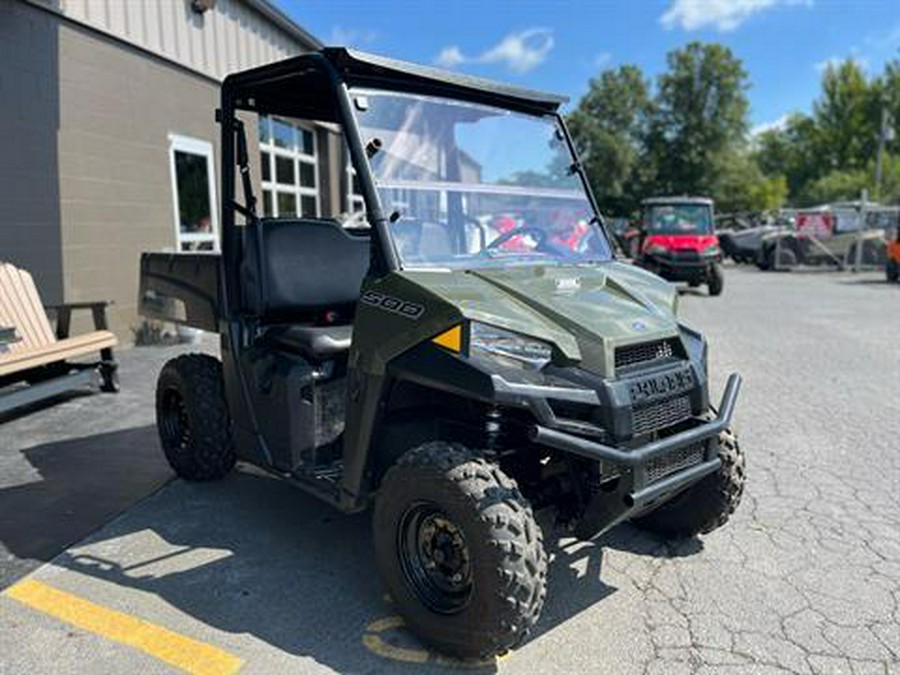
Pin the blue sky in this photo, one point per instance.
(559, 46)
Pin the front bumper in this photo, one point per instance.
(680, 267)
(639, 490)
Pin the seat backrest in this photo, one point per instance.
(293, 269)
(21, 308)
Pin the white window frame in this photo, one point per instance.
(194, 146)
(298, 157)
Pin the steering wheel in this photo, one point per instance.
(530, 230)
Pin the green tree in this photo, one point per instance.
(790, 152)
(740, 185)
(846, 118)
(702, 115)
(609, 126)
(834, 186)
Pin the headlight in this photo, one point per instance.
(491, 342)
(697, 346)
(656, 249)
(712, 250)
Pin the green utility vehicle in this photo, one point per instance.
(461, 355)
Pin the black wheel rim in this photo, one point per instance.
(435, 558)
(176, 433)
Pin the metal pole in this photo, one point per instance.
(879, 155)
(864, 198)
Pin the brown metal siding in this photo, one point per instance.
(231, 36)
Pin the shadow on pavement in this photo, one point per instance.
(254, 555)
(249, 554)
(45, 404)
(71, 488)
(879, 281)
(682, 289)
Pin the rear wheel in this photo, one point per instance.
(786, 258)
(892, 271)
(716, 279)
(192, 417)
(459, 551)
(707, 505)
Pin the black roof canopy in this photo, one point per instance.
(302, 85)
(677, 200)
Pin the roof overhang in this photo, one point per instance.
(280, 19)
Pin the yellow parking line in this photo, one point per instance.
(182, 652)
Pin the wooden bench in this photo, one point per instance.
(41, 356)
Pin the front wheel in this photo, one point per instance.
(707, 505)
(459, 551)
(716, 279)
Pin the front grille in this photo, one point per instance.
(643, 353)
(660, 415)
(660, 467)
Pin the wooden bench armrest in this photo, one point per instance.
(63, 313)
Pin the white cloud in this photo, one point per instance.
(351, 37)
(602, 60)
(884, 41)
(520, 52)
(777, 125)
(835, 61)
(722, 15)
(450, 57)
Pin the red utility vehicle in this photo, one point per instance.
(678, 241)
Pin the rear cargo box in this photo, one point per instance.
(183, 288)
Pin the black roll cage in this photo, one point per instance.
(316, 86)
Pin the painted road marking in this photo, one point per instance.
(178, 650)
(374, 640)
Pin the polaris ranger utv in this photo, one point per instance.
(455, 356)
(679, 241)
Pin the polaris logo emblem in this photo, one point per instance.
(568, 284)
(661, 386)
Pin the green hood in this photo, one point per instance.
(586, 311)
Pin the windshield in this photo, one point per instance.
(679, 219)
(471, 186)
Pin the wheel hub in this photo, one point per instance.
(175, 426)
(435, 558)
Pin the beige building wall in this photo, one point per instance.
(115, 188)
(85, 124)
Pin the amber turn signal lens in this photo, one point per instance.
(450, 339)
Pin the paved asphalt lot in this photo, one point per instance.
(806, 579)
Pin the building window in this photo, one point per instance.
(289, 169)
(193, 193)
